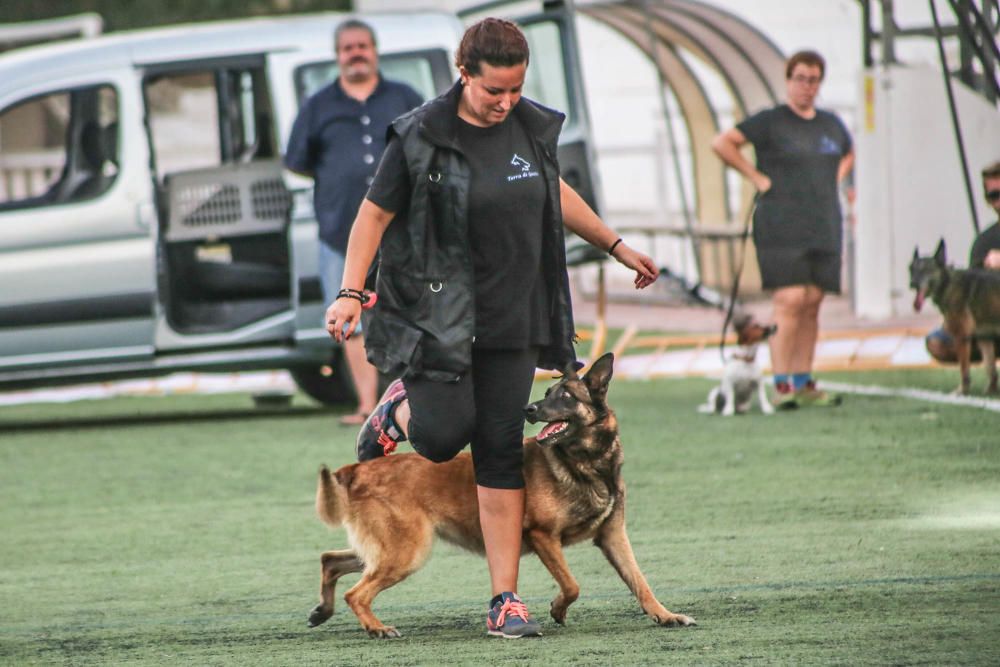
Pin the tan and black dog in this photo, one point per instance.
(969, 299)
(392, 507)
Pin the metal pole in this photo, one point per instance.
(954, 118)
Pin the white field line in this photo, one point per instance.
(916, 394)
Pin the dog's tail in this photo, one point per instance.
(330, 497)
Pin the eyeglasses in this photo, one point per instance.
(993, 195)
(806, 80)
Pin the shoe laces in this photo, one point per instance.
(388, 444)
(512, 606)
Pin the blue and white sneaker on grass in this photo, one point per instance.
(509, 618)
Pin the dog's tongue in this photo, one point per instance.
(918, 301)
(550, 428)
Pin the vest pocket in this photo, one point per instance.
(393, 344)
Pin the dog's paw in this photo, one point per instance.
(674, 620)
(319, 615)
(384, 632)
(558, 613)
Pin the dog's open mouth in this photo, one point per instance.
(552, 431)
(918, 300)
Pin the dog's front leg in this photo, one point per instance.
(987, 347)
(963, 349)
(765, 402)
(335, 564)
(549, 550)
(614, 543)
(729, 396)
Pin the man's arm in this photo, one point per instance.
(727, 146)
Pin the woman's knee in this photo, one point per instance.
(442, 441)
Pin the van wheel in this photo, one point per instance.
(329, 384)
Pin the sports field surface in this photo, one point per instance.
(180, 531)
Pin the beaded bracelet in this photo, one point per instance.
(347, 293)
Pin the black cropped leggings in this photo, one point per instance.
(485, 408)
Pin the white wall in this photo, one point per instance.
(911, 191)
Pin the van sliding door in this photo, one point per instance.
(224, 269)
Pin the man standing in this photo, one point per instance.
(803, 153)
(337, 140)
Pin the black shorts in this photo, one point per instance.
(785, 267)
(485, 408)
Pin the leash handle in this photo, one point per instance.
(737, 274)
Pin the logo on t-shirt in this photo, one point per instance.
(524, 165)
(828, 146)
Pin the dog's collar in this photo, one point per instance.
(748, 356)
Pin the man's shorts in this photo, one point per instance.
(785, 267)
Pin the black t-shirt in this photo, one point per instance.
(801, 157)
(988, 239)
(507, 194)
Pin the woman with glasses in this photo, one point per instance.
(803, 154)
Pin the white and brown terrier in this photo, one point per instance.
(741, 376)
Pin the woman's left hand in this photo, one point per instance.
(645, 269)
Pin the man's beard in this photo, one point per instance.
(359, 70)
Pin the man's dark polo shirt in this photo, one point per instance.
(339, 140)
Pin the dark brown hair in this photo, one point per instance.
(810, 58)
(992, 171)
(493, 41)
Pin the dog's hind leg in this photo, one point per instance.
(335, 564)
(394, 549)
(614, 543)
(549, 550)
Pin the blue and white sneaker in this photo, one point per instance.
(509, 618)
(380, 435)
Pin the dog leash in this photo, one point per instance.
(736, 275)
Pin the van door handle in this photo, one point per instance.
(145, 215)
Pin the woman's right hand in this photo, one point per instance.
(761, 182)
(342, 318)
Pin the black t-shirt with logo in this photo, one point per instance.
(801, 157)
(507, 194)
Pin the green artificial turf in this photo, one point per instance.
(180, 530)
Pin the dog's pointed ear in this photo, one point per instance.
(599, 375)
(941, 254)
(916, 254)
(569, 372)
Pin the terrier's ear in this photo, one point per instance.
(599, 375)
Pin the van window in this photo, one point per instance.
(208, 118)
(426, 71)
(59, 147)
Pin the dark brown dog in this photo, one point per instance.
(392, 507)
(969, 299)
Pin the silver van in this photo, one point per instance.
(146, 223)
